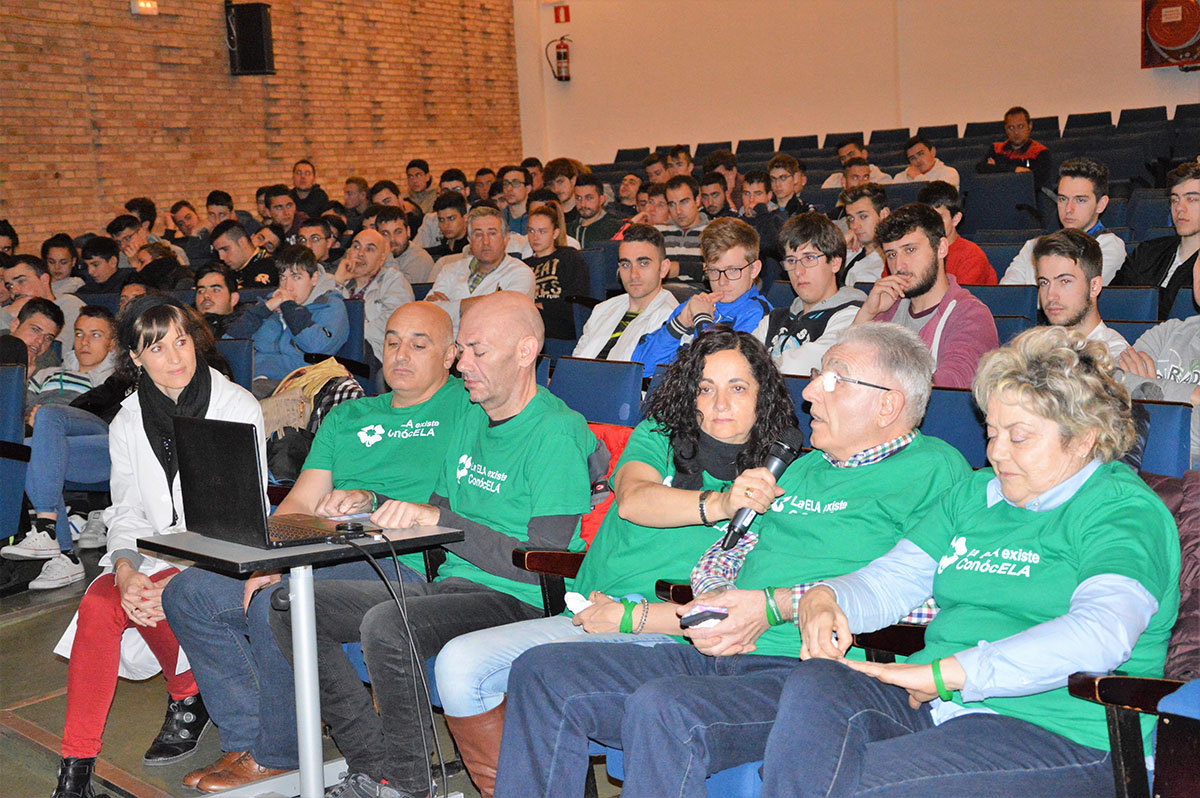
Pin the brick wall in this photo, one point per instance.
(97, 105)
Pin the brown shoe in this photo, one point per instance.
(478, 738)
(227, 759)
(243, 770)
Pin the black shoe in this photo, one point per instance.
(75, 778)
(15, 575)
(186, 720)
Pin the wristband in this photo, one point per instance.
(704, 494)
(645, 605)
(626, 626)
(374, 500)
(942, 692)
(773, 616)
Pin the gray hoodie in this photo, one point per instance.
(1175, 347)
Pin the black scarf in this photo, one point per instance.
(158, 411)
(711, 455)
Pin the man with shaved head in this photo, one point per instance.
(361, 275)
(515, 475)
(365, 449)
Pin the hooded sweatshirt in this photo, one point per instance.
(281, 338)
(1175, 347)
(59, 385)
(661, 346)
(798, 340)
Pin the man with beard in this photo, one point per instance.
(1068, 266)
(919, 295)
(217, 297)
(595, 225)
(414, 262)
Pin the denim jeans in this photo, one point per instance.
(395, 742)
(842, 733)
(472, 669)
(67, 443)
(246, 682)
(679, 716)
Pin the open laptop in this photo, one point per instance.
(220, 471)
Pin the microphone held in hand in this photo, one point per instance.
(781, 455)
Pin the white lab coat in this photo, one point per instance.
(607, 314)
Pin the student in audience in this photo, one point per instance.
(539, 448)
(1169, 262)
(655, 167)
(626, 205)
(413, 262)
(37, 322)
(134, 232)
(481, 189)
(158, 337)
(517, 184)
(218, 207)
(254, 267)
(923, 164)
(788, 180)
(484, 270)
(355, 198)
(362, 275)
(761, 212)
(260, 204)
(132, 290)
(101, 256)
(724, 163)
(850, 150)
(450, 216)
(679, 161)
(9, 240)
(61, 257)
(1018, 152)
(681, 712)
(26, 276)
(798, 336)
(385, 192)
(317, 234)
(965, 261)
(311, 200)
(217, 298)
(284, 213)
(157, 266)
(731, 266)
(983, 708)
(865, 206)
(192, 235)
(685, 468)
(535, 168)
(714, 196)
(595, 225)
(918, 295)
(518, 245)
(616, 325)
(420, 184)
(1082, 197)
(1068, 268)
(657, 210)
(682, 235)
(559, 271)
(560, 176)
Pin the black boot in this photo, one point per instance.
(185, 722)
(75, 778)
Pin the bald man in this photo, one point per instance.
(516, 474)
(365, 449)
(361, 275)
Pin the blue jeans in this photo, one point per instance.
(842, 733)
(679, 716)
(245, 680)
(472, 669)
(67, 443)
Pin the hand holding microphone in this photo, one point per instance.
(781, 455)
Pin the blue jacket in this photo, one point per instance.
(661, 346)
(281, 338)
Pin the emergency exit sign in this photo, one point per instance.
(562, 14)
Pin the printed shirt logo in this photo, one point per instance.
(464, 465)
(370, 435)
(794, 505)
(374, 433)
(478, 475)
(998, 561)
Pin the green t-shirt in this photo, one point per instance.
(534, 464)
(397, 451)
(831, 521)
(629, 558)
(1003, 569)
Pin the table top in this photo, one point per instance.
(236, 558)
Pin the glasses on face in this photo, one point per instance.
(807, 260)
(830, 379)
(315, 238)
(732, 273)
(513, 183)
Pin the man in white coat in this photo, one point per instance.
(616, 325)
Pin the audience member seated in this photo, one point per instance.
(657, 212)
(518, 245)
(515, 474)
(157, 267)
(131, 291)
(731, 266)
(535, 168)
(655, 167)
(304, 315)
(284, 213)
(760, 211)
(965, 260)
(9, 240)
(516, 183)
(685, 468)
(362, 275)
(679, 161)
(190, 233)
(429, 234)
(798, 336)
(1082, 197)
(560, 176)
(354, 196)
(403, 256)
(217, 298)
(311, 200)
(681, 712)
(484, 270)
(158, 337)
(61, 257)
(1169, 262)
(101, 257)
(385, 192)
(616, 325)
(865, 207)
(626, 205)
(725, 163)
(559, 271)
(218, 207)
(923, 164)
(682, 235)
(482, 188)
(254, 267)
(1018, 152)
(714, 196)
(850, 150)
(1067, 265)
(1043, 565)
(37, 322)
(26, 276)
(450, 213)
(317, 234)
(420, 184)
(260, 203)
(788, 180)
(919, 296)
(132, 233)
(269, 238)
(595, 225)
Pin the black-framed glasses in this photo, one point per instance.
(732, 273)
(830, 379)
(807, 260)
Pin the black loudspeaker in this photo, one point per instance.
(248, 27)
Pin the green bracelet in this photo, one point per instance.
(374, 500)
(627, 618)
(942, 692)
(774, 618)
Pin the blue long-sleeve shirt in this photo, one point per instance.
(662, 345)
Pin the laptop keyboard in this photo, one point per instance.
(282, 530)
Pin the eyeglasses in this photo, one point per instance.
(830, 379)
(512, 183)
(315, 238)
(732, 273)
(807, 260)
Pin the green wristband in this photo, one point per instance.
(627, 618)
(774, 617)
(942, 692)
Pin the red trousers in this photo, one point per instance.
(96, 656)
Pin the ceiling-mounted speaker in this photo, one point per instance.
(248, 31)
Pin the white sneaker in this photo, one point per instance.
(94, 534)
(37, 545)
(58, 572)
(75, 522)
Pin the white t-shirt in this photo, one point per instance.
(939, 171)
(1020, 271)
(1112, 339)
(835, 180)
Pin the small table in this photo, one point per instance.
(239, 560)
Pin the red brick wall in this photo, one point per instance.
(97, 105)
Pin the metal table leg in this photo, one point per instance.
(308, 696)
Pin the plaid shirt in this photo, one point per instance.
(873, 455)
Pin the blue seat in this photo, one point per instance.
(576, 381)
(1128, 304)
(631, 154)
(239, 353)
(826, 198)
(892, 137)
(796, 385)
(1116, 213)
(780, 294)
(421, 290)
(1141, 116)
(794, 144)
(706, 148)
(14, 454)
(992, 130)
(953, 417)
(543, 370)
(556, 348)
(1087, 121)
(1130, 330)
(1046, 127)
(832, 139)
(1184, 306)
(110, 301)
(1008, 237)
(997, 201)
(1008, 300)
(1145, 211)
(900, 194)
(1009, 327)
(1000, 255)
(355, 347)
(1168, 443)
(599, 276)
(742, 781)
(939, 133)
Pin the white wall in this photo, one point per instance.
(650, 72)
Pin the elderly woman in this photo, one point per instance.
(1057, 559)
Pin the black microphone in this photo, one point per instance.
(781, 455)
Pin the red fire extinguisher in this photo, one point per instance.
(560, 67)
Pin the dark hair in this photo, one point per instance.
(645, 234)
(62, 241)
(44, 306)
(559, 167)
(757, 176)
(590, 180)
(680, 149)
(915, 140)
(360, 182)
(854, 162)
(656, 190)
(684, 181)
(276, 190)
(372, 211)
(220, 198)
(871, 191)
(275, 229)
(232, 228)
(846, 142)
(1180, 174)
(720, 159)
(418, 163)
(529, 162)
(9, 232)
(542, 195)
(260, 192)
(384, 185)
(712, 179)
(296, 256)
(450, 200)
(182, 204)
(122, 223)
(503, 170)
(99, 312)
(1089, 169)
(940, 194)
(143, 208)
(1074, 245)
(908, 218)
(484, 171)
(305, 160)
(32, 261)
(814, 228)
(1016, 109)
(335, 207)
(452, 174)
(320, 222)
(148, 319)
(672, 404)
(786, 162)
(393, 213)
(337, 225)
(100, 247)
(216, 267)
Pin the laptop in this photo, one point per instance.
(220, 472)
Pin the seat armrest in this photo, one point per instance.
(14, 451)
(548, 561)
(1139, 693)
(673, 592)
(901, 639)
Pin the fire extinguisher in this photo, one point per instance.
(560, 67)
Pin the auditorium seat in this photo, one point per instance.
(575, 381)
(780, 294)
(1168, 444)
(993, 129)
(355, 347)
(997, 201)
(1140, 116)
(602, 269)
(1115, 213)
(832, 139)
(1184, 306)
(1009, 327)
(1147, 209)
(706, 148)
(1008, 300)
(1129, 330)
(1128, 303)
(14, 454)
(755, 147)
(799, 144)
(937, 134)
(1076, 122)
(421, 290)
(543, 371)
(889, 138)
(1046, 127)
(1000, 255)
(239, 353)
(631, 155)
(953, 417)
